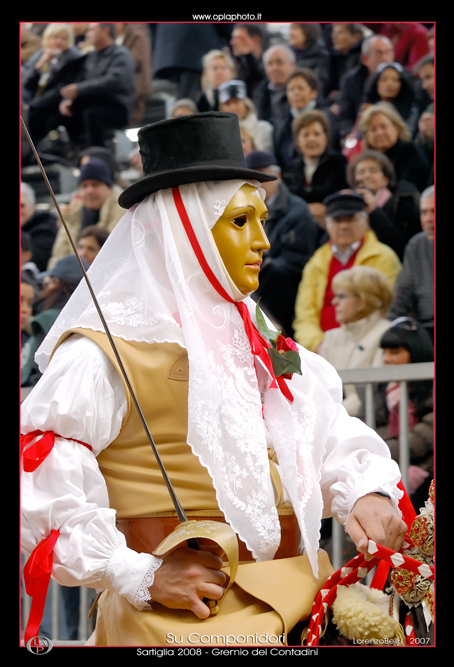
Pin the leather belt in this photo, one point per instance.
(144, 534)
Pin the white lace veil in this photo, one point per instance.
(151, 288)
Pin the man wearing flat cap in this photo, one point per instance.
(351, 243)
(174, 281)
(95, 203)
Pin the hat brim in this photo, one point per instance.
(136, 192)
(339, 212)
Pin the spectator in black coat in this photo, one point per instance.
(414, 289)
(101, 95)
(303, 95)
(318, 171)
(247, 46)
(346, 54)
(306, 41)
(27, 266)
(57, 50)
(375, 50)
(46, 71)
(425, 70)
(292, 234)
(391, 83)
(269, 97)
(57, 287)
(393, 206)
(384, 130)
(179, 49)
(424, 135)
(41, 226)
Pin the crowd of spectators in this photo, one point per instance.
(342, 113)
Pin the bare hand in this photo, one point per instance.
(186, 577)
(69, 92)
(45, 58)
(374, 517)
(65, 107)
(369, 198)
(363, 107)
(318, 211)
(242, 44)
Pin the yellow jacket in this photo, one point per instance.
(312, 288)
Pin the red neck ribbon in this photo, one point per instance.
(258, 343)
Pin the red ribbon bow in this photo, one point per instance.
(38, 568)
(37, 573)
(34, 455)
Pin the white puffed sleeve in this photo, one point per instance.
(81, 396)
(356, 461)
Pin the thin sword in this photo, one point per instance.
(178, 508)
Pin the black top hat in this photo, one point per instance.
(189, 149)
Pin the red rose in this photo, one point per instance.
(286, 344)
(287, 348)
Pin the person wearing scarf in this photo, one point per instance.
(237, 437)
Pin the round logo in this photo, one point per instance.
(39, 645)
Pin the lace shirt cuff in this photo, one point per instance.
(130, 574)
(361, 481)
(142, 601)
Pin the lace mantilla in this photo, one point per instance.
(142, 601)
(235, 445)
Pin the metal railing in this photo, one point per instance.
(364, 376)
(402, 373)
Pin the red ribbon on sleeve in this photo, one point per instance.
(37, 573)
(35, 454)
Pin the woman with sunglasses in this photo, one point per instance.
(362, 296)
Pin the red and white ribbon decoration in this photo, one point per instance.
(351, 573)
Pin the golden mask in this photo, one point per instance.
(240, 237)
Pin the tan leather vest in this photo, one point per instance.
(159, 375)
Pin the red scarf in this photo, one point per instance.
(327, 316)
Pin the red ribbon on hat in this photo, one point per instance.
(258, 343)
